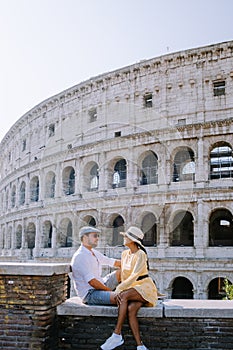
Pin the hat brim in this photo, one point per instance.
(131, 238)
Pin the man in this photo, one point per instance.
(86, 265)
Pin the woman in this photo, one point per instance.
(135, 290)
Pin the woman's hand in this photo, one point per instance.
(119, 298)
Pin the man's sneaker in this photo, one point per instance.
(142, 347)
(112, 342)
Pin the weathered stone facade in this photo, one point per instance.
(147, 145)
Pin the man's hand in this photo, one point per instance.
(98, 285)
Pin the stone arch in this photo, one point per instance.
(221, 228)
(18, 237)
(118, 172)
(9, 237)
(68, 180)
(91, 176)
(182, 288)
(89, 220)
(148, 165)
(46, 238)
(149, 228)
(31, 235)
(182, 229)
(50, 183)
(117, 223)
(22, 193)
(183, 165)
(13, 196)
(34, 189)
(65, 233)
(216, 288)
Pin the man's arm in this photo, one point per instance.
(117, 263)
(98, 285)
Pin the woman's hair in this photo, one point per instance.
(144, 249)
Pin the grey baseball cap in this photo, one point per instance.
(87, 229)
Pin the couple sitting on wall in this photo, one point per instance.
(129, 286)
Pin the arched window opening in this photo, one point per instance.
(65, 234)
(68, 180)
(9, 238)
(216, 289)
(46, 240)
(221, 162)
(221, 228)
(31, 235)
(118, 226)
(50, 182)
(182, 234)
(92, 222)
(13, 197)
(184, 165)
(120, 174)
(182, 288)
(2, 236)
(94, 178)
(18, 243)
(34, 189)
(149, 228)
(149, 170)
(7, 199)
(22, 192)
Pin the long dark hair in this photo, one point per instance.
(140, 246)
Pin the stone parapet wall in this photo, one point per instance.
(172, 324)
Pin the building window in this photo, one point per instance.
(182, 288)
(117, 134)
(148, 100)
(120, 174)
(51, 130)
(68, 180)
(92, 115)
(216, 289)
(118, 226)
(34, 189)
(219, 88)
(221, 162)
(50, 185)
(149, 228)
(13, 197)
(24, 143)
(221, 228)
(182, 232)
(94, 178)
(22, 192)
(149, 169)
(184, 165)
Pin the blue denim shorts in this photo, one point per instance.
(102, 297)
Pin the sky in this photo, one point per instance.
(48, 46)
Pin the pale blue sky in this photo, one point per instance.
(50, 45)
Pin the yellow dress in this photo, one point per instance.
(134, 265)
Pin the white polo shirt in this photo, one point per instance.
(86, 266)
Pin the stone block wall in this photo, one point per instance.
(29, 294)
(87, 333)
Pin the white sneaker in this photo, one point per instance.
(142, 347)
(113, 342)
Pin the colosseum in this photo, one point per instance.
(148, 145)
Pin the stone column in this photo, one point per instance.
(198, 230)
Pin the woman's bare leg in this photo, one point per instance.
(122, 300)
(133, 308)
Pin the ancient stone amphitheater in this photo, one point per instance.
(147, 145)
